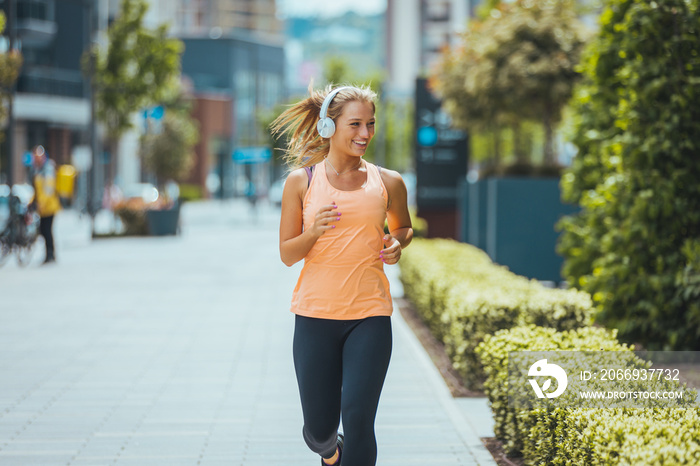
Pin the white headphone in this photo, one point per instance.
(326, 126)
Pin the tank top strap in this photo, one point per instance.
(317, 176)
(374, 173)
(309, 173)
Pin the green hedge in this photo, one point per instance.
(191, 192)
(483, 312)
(630, 437)
(463, 296)
(512, 426)
(635, 176)
(583, 435)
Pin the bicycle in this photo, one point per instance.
(20, 233)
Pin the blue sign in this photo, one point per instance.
(252, 154)
(441, 153)
(155, 113)
(427, 136)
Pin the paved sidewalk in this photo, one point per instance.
(177, 351)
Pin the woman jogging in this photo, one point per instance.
(334, 208)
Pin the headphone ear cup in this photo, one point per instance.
(325, 127)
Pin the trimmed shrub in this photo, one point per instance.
(629, 437)
(191, 192)
(132, 214)
(463, 296)
(513, 426)
(582, 435)
(429, 268)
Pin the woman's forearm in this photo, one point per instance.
(403, 236)
(295, 249)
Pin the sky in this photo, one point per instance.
(329, 7)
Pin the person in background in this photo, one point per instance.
(334, 207)
(45, 197)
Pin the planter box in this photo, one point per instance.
(163, 222)
(513, 220)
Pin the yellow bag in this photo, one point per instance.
(65, 181)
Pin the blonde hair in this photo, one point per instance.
(305, 147)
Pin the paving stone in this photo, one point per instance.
(177, 351)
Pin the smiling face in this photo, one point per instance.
(354, 129)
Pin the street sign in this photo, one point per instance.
(441, 153)
(252, 154)
(154, 113)
(427, 136)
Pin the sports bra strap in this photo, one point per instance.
(309, 173)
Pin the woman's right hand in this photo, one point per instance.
(325, 219)
(295, 240)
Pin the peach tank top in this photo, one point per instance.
(343, 277)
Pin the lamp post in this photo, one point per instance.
(91, 181)
(11, 30)
(94, 179)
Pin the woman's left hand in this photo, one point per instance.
(392, 251)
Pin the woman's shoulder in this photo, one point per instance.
(391, 178)
(298, 180)
(297, 177)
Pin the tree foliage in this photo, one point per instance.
(138, 68)
(518, 64)
(635, 245)
(168, 151)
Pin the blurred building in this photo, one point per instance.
(417, 30)
(234, 79)
(51, 105)
(256, 17)
(233, 65)
(311, 40)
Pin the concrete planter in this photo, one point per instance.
(163, 222)
(513, 220)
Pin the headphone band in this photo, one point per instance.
(329, 98)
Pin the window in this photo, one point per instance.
(35, 9)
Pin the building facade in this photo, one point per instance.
(216, 17)
(233, 78)
(51, 104)
(233, 64)
(417, 30)
(233, 68)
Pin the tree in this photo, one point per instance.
(516, 65)
(470, 108)
(10, 65)
(634, 245)
(139, 68)
(168, 151)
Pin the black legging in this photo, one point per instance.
(46, 230)
(341, 366)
